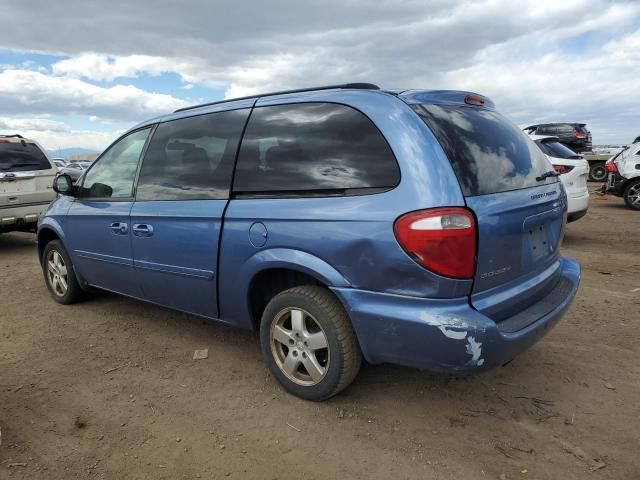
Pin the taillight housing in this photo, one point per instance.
(442, 240)
(562, 169)
(581, 135)
(611, 167)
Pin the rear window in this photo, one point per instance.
(488, 153)
(22, 157)
(556, 149)
(309, 149)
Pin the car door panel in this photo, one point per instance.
(98, 220)
(176, 221)
(176, 264)
(101, 256)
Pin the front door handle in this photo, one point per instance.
(119, 228)
(142, 230)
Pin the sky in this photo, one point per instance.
(81, 75)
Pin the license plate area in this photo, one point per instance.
(18, 185)
(538, 242)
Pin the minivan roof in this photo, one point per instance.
(444, 97)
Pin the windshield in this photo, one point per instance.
(556, 149)
(22, 157)
(488, 153)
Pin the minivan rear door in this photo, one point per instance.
(181, 196)
(519, 204)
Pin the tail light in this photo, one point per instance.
(442, 240)
(562, 169)
(611, 167)
(581, 135)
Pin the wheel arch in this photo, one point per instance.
(272, 271)
(48, 231)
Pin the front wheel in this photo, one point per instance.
(308, 343)
(632, 195)
(59, 275)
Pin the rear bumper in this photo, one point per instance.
(577, 205)
(448, 335)
(21, 217)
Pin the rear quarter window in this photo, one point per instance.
(313, 149)
(488, 153)
(22, 157)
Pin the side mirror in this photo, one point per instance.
(63, 185)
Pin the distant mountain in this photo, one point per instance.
(68, 152)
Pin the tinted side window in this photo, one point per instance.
(22, 157)
(313, 147)
(113, 174)
(564, 129)
(192, 158)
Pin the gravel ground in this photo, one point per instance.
(108, 389)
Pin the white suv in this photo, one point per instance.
(26, 183)
(573, 170)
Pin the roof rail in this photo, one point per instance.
(12, 136)
(362, 86)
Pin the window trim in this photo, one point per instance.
(249, 195)
(131, 198)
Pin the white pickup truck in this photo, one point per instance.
(26, 183)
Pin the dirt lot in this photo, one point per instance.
(108, 389)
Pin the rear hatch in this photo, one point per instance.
(519, 204)
(26, 175)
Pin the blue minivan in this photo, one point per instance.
(419, 228)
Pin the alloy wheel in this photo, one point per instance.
(57, 273)
(300, 346)
(634, 195)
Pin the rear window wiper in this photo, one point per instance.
(545, 175)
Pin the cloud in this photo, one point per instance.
(53, 135)
(33, 92)
(528, 56)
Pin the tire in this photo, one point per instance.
(597, 172)
(293, 328)
(58, 272)
(632, 195)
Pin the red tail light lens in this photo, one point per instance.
(611, 167)
(581, 135)
(561, 169)
(442, 240)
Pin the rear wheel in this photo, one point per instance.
(632, 195)
(59, 275)
(597, 172)
(308, 343)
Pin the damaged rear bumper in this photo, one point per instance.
(448, 335)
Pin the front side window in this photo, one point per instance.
(192, 158)
(113, 174)
(313, 149)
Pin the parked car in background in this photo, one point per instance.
(573, 135)
(74, 170)
(26, 179)
(573, 170)
(59, 162)
(420, 228)
(85, 163)
(624, 175)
